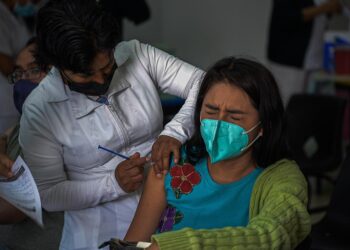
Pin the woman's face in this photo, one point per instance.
(26, 68)
(229, 103)
(102, 66)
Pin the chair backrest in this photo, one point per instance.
(305, 244)
(315, 119)
(338, 212)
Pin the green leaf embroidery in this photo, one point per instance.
(178, 217)
(177, 193)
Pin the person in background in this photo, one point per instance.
(27, 10)
(13, 38)
(22, 233)
(295, 45)
(234, 173)
(99, 92)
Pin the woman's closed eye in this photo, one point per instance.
(211, 110)
(235, 118)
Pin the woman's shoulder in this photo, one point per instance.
(283, 166)
(283, 174)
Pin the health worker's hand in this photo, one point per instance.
(130, 173)
(161, 152)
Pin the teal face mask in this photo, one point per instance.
(224, 140)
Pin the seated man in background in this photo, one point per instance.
(23, 233)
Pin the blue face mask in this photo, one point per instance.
(21, 91)
(224, 140)
(26, 10)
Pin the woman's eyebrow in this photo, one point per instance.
(210, 106)
(33, 64)
(232, 111)
(108, 64)
(111, 60)
(17, 67)
(235, 111)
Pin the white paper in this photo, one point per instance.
(143, 244)
(22, 192)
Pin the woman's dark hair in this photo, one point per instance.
(260, 85)
(70, 33)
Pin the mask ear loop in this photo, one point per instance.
(252, 142)
(256, 138)
(254, 127)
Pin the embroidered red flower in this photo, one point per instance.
(184, 178)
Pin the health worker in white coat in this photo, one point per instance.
(100, 92)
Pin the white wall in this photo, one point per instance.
(150, 31)
(202, 31)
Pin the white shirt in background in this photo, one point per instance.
(314, 53)
(13, 37)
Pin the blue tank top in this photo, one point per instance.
(201, 203)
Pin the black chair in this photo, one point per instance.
(305, 244)
(317, 121)
(332, 232)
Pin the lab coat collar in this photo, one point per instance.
(81, 104)
(57, 91)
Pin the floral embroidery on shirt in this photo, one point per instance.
(169, 218)
(184, 177)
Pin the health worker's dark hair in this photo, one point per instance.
(70, 33)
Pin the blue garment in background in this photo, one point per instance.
(21, 90)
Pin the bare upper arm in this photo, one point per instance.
(149, 210)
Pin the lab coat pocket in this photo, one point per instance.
(81, 148)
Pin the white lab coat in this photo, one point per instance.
(61, 130)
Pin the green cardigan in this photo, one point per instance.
(278, 217)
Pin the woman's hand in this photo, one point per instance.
(5, 166)
(161, 150)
